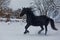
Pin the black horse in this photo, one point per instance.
(37, 20)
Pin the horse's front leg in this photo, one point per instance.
(26, 27)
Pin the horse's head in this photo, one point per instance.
(25, 11)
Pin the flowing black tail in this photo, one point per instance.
(52, 24)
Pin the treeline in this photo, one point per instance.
(9, 13)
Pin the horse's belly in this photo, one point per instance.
(36, 24)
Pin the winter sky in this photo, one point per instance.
(15, 4)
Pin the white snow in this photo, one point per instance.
(14, 31)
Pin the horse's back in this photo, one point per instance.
(39, 20)
(44, 19)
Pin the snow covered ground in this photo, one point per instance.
(14, 31)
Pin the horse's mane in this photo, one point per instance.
(30, 11)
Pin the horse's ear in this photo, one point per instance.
(30, 8)
(22, 7)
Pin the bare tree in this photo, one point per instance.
(3, 6)
(44, 6)
(4, 3)
(17, 13)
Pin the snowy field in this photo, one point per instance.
(14, 31)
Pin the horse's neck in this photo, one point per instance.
(30, 15)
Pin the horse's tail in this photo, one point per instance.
(52, 24)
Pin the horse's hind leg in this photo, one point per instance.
(45, 29)
(26, 27)
(41, 29)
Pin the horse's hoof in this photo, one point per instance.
(26, 32)
(45, 34)
(39, 32)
